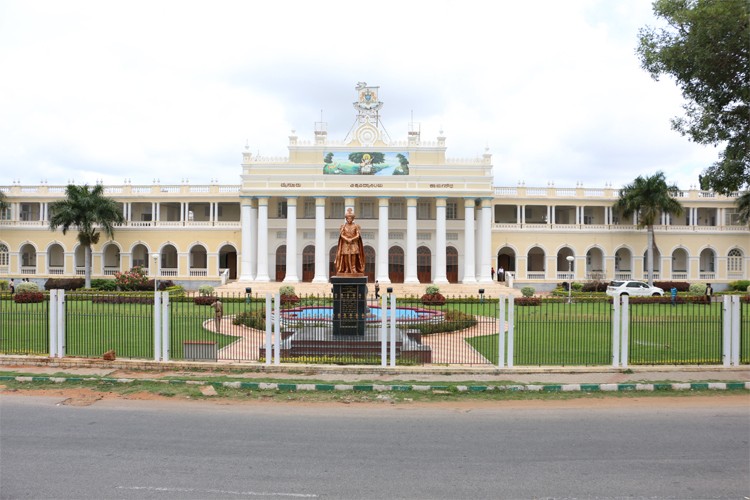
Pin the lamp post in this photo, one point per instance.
(570, 259)
(155, 256)
(481, 295)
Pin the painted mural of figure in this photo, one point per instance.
(350, 255)
(365, 166)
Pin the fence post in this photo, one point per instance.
(501, 331)
(511, 330)
(277, 328)
(61, 312)
(615, 331)
(726, 331)
(269, 323)
(383, 330)
(165, 335)
(735, 343)
(393, 330)
(52, 323)
(625, 332)
(157, 326)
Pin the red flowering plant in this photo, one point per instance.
(135, 279)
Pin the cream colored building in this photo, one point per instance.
(425, 218)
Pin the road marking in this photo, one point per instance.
(223, 492)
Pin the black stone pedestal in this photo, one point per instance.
(349, 305)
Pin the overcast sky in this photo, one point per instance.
(175, 90)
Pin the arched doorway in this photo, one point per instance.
(281, 263)
(308, 263)
(451, 264)
(396, 265)
(370, 264)
(424, 265)
(506, 260)
(228, 260)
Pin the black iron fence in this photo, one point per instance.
(455, 330)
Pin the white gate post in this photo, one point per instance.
(61, 312)
(384, 329)
(277, 328)
(393, 330)
(52, 340)
(157, 326)
(735, 330)
(726, 331)
(511, 330)
(625, 331)
(165, 336)
(616, 331)
(269, 320)
(501, 331)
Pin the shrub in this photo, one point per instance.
(528, 291)
(577, 287)
(681, 286)
(251, 319)
(134, 279)
(528, 301)
(287, 290)
(28, 297)
(203, 300)
(698, 288)
(433, 299)
(432, 290)
(289, 300)
(740, 285)
(104, 285)
(27, 286)
(595, 286)
(64, 284)
(175, 291)
(452, 321)
(4, 285)
(205, 290)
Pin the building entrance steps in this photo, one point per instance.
(491, 290)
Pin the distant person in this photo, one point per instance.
(377, 289)
(500, 274)
(218, 313)
(673, 292)
(12, 285)
(492, 273)
(709, 292)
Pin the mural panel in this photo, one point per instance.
(365, 163)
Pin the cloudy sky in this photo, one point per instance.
(175, 90)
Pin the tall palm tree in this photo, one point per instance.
(649, 197)
(743, 206)
(88, 210)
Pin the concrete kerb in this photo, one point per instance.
(651, 378)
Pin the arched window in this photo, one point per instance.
(734, 262)
(4, 255)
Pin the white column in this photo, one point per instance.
(411, 241)
(321, 263)
(469, 273)
(440, 242)
(263, 240)
(246, 238)
(382, 266)
(291, 240)
(485, 266)
(254, 239)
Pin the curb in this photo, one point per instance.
(292, 387)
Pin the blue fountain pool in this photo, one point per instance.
(325, 313)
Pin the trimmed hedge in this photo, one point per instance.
(204, 300)
(28, 297)
(433, 299)
(64, 284)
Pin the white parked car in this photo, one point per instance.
(634, 288)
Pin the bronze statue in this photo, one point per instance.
(350, 255)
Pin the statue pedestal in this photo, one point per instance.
(349, 305)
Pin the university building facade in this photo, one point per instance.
(425, 218)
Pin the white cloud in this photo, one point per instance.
(140, 90)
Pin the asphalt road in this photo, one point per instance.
(653, 448)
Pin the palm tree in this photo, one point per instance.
(3, 202)
(649, 197)
(743, 206)
(88, 211)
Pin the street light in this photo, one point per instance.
(481, 295)
(155, 256)
(570, 259)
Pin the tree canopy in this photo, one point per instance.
(87, 210)
(706, 49)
